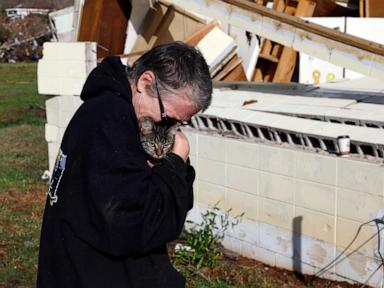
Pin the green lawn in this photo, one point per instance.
(23, 158)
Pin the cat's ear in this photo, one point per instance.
(146, 126)
(173, 129)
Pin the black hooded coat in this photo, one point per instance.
(109, 215)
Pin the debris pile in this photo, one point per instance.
(22, 39)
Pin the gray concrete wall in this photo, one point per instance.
(302, 209)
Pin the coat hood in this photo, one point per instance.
(108, 75)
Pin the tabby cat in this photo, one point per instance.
(157, 140)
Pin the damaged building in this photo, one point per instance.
(294, 136)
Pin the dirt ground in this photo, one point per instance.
(233, 270)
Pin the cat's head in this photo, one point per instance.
(157, 140)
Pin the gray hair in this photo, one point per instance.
(179, 68)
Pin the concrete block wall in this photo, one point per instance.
(61, 73)
(302, 209)
(65, 67)
(59, 111)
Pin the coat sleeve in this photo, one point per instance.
(133, 208)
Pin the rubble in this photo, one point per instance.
(25, 38)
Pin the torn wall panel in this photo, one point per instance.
(362, 56)
(105, 22)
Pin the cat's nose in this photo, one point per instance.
(159, 152)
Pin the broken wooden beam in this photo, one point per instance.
(365, 57)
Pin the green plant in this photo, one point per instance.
(201, 247)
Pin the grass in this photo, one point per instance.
(19, 100)
(23, 158)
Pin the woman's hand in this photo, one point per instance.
(181, 145)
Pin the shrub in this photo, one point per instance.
(201, 247)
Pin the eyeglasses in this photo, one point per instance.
(165, 119)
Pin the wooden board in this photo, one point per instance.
(165, 23)
(276, 63)
(329, 8)
(309, 27)
(148, 27)
(199, 34)
(105, 22)
(306, 37)
(228, 68)
(161, 31)
(374, 8)
(236, 74)
(287, 61)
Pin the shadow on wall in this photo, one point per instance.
(296, 242)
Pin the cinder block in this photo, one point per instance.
(315, 224)
(279, 32)
(211, 194)
(242, 153)
(242, 179)
(294, 265)
(50, 51)
(358, 206)
(61, 134)
(258, 253)
(316, 46)
(49, 68)
(195, 191)
(64, 68)
(89, 66)
(192, 139)
(81, 51)
(316, 197)
(377, 67)
(53, 148)
(194, 215)
(277, 187)
(51, 133)
(60, 77)
(66, 102)
(315, 253)
(346, 232)
(241, 202)
(52, 116)
(52, 103)
(359, 267)
(48, 85)
(277, 160)
(73, 69)
(232, 244)
(250, 20)
(77, 102)
(71, 86)
(210, 147)
(65, 117)
(52, 110)
(360, 176)
(246, 230)
(317, 168)
(276, 239)
(211, 171)
(193, 161)
(275, 213)
(351, 61)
